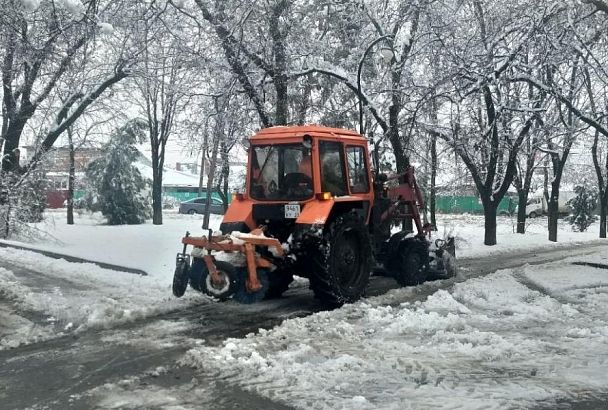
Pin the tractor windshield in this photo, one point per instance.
(281, 172)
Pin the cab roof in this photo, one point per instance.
(300, 131)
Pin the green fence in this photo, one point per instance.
(181, 194)
(471, 204)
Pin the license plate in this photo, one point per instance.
(292, 211)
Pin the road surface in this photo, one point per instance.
(78, 370)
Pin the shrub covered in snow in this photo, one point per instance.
(121, 192)
(583, 204)
(22, 200)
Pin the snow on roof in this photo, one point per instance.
(171, 177)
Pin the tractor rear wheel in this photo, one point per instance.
(341, 265)
(413, 267)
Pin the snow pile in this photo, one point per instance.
(505, 340)
(14, 328)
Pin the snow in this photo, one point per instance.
(30, 5)
(75, 7)
(151, 248)
(468, 231)
(108, 297)
(105, 28)
(171, 177)
(104, 297)
(506, 340)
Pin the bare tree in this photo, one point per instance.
(37, 53)
(166, 81)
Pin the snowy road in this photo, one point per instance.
(140, 363)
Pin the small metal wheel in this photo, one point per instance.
(229, 282)
(180, 277)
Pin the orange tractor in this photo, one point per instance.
(312, 208)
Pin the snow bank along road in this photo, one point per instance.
(523, 336)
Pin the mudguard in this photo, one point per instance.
(316, 212)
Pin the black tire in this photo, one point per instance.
(414, 262)
(180, 278)
(198, 274)
(278, 283)
(192, 211)
(532, 215)
(341, 266)
(227, 270)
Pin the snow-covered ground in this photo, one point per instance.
(148, 247)
(75, 296)
(469, 233)
(105, 297)
(506, 340)
(153, 248)
(500, 341)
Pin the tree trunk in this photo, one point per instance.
(522, 196)
(489, 214)
(225, 173)
(433, 193)
(210, 177)
(10, 159)
(157, 190)
(71, 177)
(603, 212)
(280, 63)
(202, 173)
(553, 213)
(546, 180)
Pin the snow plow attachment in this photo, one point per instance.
(241, 272)
(442, 258)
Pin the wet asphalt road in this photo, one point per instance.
(73, 371)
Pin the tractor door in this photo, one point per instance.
(331, 157)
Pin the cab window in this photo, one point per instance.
(357, 170)
(332, 171)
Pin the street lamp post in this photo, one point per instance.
(387, 55)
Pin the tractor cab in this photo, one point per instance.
(299, 177)
(311, 208)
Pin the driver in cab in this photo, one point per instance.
(299, 183)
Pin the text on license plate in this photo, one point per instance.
(292, 211)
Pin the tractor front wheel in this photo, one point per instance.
(278, 283)
(341, 265)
